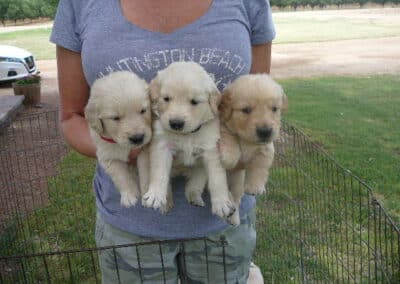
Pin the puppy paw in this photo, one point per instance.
(128, 198)
(223, 208)
(234, 220)
(151, 200)
(170, 205)
(254, 189)
(194, 198)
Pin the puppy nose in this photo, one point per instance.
(137, 139)
(176, 124)
(264, 132)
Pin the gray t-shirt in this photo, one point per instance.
(220, 41)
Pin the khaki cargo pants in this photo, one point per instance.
(198, 261)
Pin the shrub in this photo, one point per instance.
(32, 79)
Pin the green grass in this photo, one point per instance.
(67, 223)
(357, 121)
(35, 40)
(309, 226)
(318, 223)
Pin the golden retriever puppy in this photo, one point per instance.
(185, 138)
(119, 116)
(250, 113)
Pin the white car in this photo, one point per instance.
(16, 63)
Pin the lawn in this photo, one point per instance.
(357, 121)
(36, 41)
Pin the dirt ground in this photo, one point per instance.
(347, 57)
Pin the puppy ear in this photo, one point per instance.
(214, 101)
(154, 90)
(93, 117)
(285, 103)
(225, 108)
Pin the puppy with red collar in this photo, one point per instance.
(119, 116)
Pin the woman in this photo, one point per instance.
(95, 37)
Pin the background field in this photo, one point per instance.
(35, 40)
(292, 27)
(310, 26)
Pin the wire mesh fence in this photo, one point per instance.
(318, 223)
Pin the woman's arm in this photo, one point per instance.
(261, 58)
(74, 94)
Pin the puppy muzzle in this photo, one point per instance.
(177, 124)
(264, 134)
(137, 139)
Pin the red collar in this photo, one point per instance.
(109, 140)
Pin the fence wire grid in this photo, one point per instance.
(318, 223)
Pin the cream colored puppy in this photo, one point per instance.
(119, 116)
(185, 138)
(251, 110)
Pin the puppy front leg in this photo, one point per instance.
(122, 176)
(229, 150)
(195, 186)
(257, 171)
(236, 186)
(221, 202)
(143, 166)
(160, 168)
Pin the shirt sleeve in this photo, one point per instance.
(65, 30)
(261, 24)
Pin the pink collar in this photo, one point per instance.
(109, 140)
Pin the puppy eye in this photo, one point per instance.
(274, 109)
(143, 111)
(246, 110)
(194, 102)
(166, 99)
(116, 118)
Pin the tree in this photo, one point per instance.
(278, 3)
(48, 8)
(27, 11)
(14, 11)
(3, 10)
(36, 6)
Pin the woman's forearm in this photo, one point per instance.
(74, 94)
(261, 58)
(76, 133)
